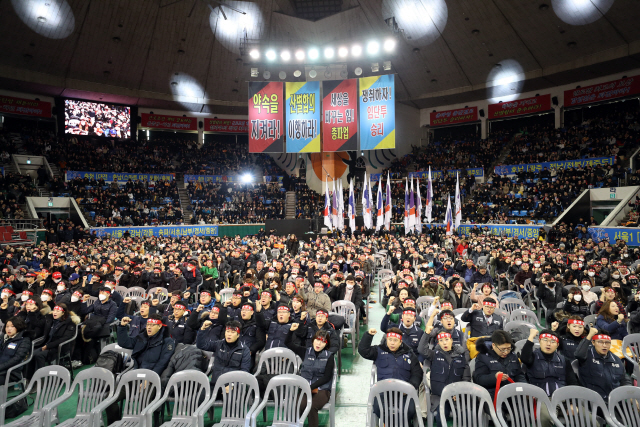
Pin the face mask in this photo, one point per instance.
(615, 276)
(591, 274)
(4, 295)
(349, 286)
(536, 265)
(102, 297)
(74, 299)
(24, 297)
(60, 288)
(518, 262)
(586, 288)
(44, 297)
(579, 265)
(57, 280)
(626, 255)
(577, 297)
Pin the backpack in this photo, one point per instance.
(111, 361)
(17, 409)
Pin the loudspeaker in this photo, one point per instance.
(481, 113)
(200, 124)
(554, 100)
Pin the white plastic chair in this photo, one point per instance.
(225, 294)
(511, 304)
(94, 385)
(162, 297)
(238, 404)
(524, 315)
(288, 391)
(122, 290)
(346, 309)
(136, 291)
(468, 409)
(4, 388)
(50, 382)
(522, 404)
(331, 405)
(189, 390)
(631, 352)
(393, 398)
(577, 407)
(523, 329)
(624, 406)
(423, 303)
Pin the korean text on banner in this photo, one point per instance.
(158, 121)
(519, 107)
(303, 117)
(119, 176)
(377, 112)
(564, 164)
(25, 107)
(266, 113)
(226, 125)
(603, 91)
(631, 236)
(453, 117)
(340, 110)
(167, 231)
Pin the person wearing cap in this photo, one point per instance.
(276, 328)
(411, 332)
(177, 324)
(29, 282)
(393, 359)
(14, 347)
(496, 355)
(309, 327)
(228, 354)
(431, 288)
(60, 326)
(598, 368)
(313, 293)
(317, 368)
(482, 319)
(447, 363)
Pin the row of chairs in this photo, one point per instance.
(516, 405)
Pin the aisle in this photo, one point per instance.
(353, 385)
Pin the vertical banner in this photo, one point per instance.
(377, 113)
(340, 112)
(266, 123)
(303, 117)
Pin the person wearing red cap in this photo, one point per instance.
(598, 368)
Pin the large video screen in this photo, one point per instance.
(96, 119)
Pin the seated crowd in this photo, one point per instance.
(282, 295)
(14, 189)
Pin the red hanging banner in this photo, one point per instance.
(25, 107)
(340, 115)
(157, 121)
(602, 92)
(453, 117)
(266, 117)
(226, 125)
(520, 107)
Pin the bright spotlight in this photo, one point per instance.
(356, 50)
(329, 52)
(373, 48)
(285, 55)
(300, 55)
(271, 54)
(343, 52)
(313, 53)
(246, 178)
(506, 80)
(389, 45)
(254, 54)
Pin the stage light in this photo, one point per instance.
(386, 65)
(422, 22)
(254, 54)
(373, 47)
(53, 19)
(389, 45)
(343, 52)
(285, 55)
(254, 72)
(246, 178)
(266, 75)
(271, 54)
(297, 73)
(358, 71)
(300, 55)
(356, 50)
(505, 82)
(375, 67)
(329, 52)
(313, 54)
(581, 12)
(282, 75)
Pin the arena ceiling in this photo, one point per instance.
(184, 54)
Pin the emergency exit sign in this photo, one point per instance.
(612, 195)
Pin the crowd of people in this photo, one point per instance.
(282, 295)
(236, 203)
(135, 203)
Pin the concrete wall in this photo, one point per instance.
(605, 193)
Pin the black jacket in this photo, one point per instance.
(13, 351)
(337, 293)
(184, 358)
(371, 352)
(488, 364)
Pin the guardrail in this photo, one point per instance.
(23, 224)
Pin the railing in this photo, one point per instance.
(23, 224)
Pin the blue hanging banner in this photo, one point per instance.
(118, 176)
(537, 167)
(631, 236)
(163, 231)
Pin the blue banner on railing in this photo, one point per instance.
(508, 230)
(537, 167)
(631, 236)
(119, 177)
(226, 178)
(477, 172)
(161, 231)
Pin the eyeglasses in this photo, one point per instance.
(548, 341)
(599, 342)
(503, 350)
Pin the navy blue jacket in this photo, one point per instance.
(107, 310)
(600, 373)
(13, 351)
(478, 324)
(447, 367)
(402, 364)
(410, 336)
(488, 364)
(227, 357)
(151, 353)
